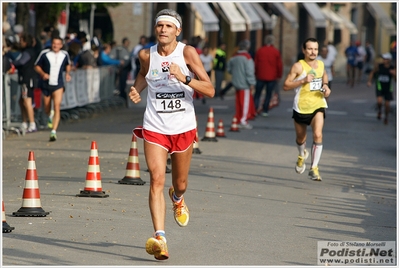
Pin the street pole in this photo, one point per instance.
(93, 8)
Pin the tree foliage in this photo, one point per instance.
(47, 14)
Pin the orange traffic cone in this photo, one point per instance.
(31, 205)
(210, 134)
(220, 131)
(93, 186)
(132, 175)
(196, 149)
(234, 125)
(6, 228)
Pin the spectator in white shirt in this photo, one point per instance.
(360, 59)
(328, 61)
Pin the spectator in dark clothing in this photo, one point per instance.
(88, 58)
(219, 67)
(351, 53)
(392, 50)
(53, 33)
(73, 51)
(151, 41)
(98, 42)
(134, 56)
(122, 53)
(27, 78)
(12, 47)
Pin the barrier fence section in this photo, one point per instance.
(87, 86)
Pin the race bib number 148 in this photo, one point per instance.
(170, 102)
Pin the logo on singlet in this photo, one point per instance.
(165, 67)
(154, 72)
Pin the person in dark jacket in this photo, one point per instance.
(27, 78)
(219, 66)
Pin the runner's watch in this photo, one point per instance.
(188, 80)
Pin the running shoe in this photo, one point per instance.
(264, 114)
(300, 164)
(31, 130)
(180, 210)
(314, 174)
(24, 126)
(50, 119)
(53, 136)
(50, 122)
(245, 126)
(157, 246)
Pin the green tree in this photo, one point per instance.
(47, 14)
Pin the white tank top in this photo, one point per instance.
(170, 108)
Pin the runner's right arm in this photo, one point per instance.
(140, 83)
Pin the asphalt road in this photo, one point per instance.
(247, 204)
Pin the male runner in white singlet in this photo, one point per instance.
(169, 126)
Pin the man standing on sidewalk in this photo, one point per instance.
(268, 70)
(242, 69)
(310, 82)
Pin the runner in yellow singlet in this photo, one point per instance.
(310, 82)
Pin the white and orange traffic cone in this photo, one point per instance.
(93, 187)
(210, 134)
(196, 149)
(31, 205)
(132, 175)
(220, 131)
(234, 125)
(6, 228)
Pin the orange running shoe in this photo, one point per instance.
(157, 246)
(181, 213)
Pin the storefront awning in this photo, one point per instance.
(232, 16)
(264, 16)
(336, 21)
(348, 24)
(286, 14)
(381, 15)
(252, 18)
(204, 12)
(316, 14)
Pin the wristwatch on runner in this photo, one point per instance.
(188, 80)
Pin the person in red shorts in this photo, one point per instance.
(171, 71)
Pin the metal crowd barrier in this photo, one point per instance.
(88, 91)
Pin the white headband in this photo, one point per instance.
(169, 19)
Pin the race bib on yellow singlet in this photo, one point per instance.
(316, 84)
(170, 102)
